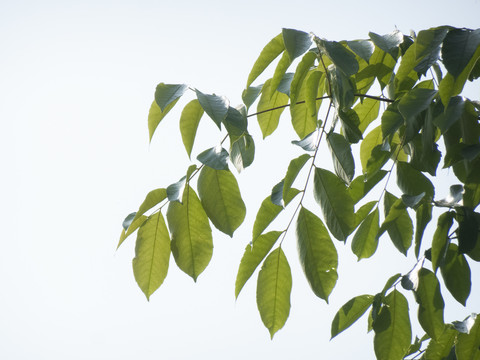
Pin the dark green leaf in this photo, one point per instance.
(440, 239)
(389, 42)
(343, 58)
(458, 48)
(166, 94)
(454, 197)
(250, 94)
(343, 162)
(440, 348)
(350, 123)
(337, 205)
(360, 186)
(285, 84)
(152, 254)
(413, 182)
(274, 48)
(235, 122)
(296, 42)
(468, 228)
(242, 152)
(189, 120)
(192, 244)
(253, 256)
(309, 142)
(430, 301)
(392, 120)
(214, 105)
(274, 286)
(423, 216)
(466, 325)
(318, 255)
(350, 313)
(293, 169)
(363, 48)
(175, 190)
(221, 199)
(427, 47)
(128, 220)
(215, 157)
(468, 345)
(393, 332)
(411, 279)
(365, 241)
(415, 101)
(343, 89)
(413, 201)
(456, 274)
(276, 196)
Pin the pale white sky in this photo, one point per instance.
(77, 80)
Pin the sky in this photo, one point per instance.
(77, 80)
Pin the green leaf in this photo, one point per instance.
(301, 72)
(279, 76)
(468, 229)
(267, 118)
(235, 122)
(166, 94)
(221, 199)
(131, 229)
(393, 332)
(427, 47)
(367, 111)
(314, 89)
(456, 274)
(397, 223)
(360, 186)
(274, 286)
(363, 211)
(155, 115)
(471, 197)
(423, 215)
(128, 220)
(350, 313)
(458, 48)
(389, 42)
(350, 123)
(440, 239)
(293, 169)
(214, 105)
(365, 241)
(215, 157)
(371, 160)
(390, 282)
(192, 244)
(318, 255)
(343, 89)
(413, 182)
(175, 190)
(406, 76)
(415, 101)
(343, 58)
(309, 142)
(296, 42)
(430, 301)
(468, 345)
(269, 53)
(363, 48)
(440, 348)
(152, 254)
(253, 256)
(268, 212)
(343, 162)
(242, 152)
(189, 120)
(250, 94)
(337, 205)
(304, 119)
(276, 196)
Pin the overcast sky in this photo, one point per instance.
(76, 81)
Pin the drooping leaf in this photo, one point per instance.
(341, 56)
(431, 304)
(351, 125)
(318, 255)
(393, 332)
(192, 244)
(128, 220)
(412, 181)
(250, 95)
(423, 215)
(363, 211)
(415, 101)
(309, 142)
(242, 152)
(214, 105)
(440, 239)
(293, 169)
(285, 83)
(276, 195)
(343, 89)
(253, 256)
(215, 157)
(235, 122)
(267, 118)
(458, 48)
(365, 241)
(343, 161)
(131, 229)
(152, 254)
(440, 348)
(221, 199)
(390, 282)
(363, 48)
(303, 118)
(189, 120)
(456, 274)
(350, 313)
(413, 201)
(280, 76)
(301, 72)
(427, 47)
(175, 190)
(296, 42)
(411, 280)
(314, 89)
(468, 229)
(269, 53)
(367, 112)
(155, 115)
(337, 205)
(372, 160)
(166, 94)
(406, 76)
(274, 286)
(360, 186)
(468, 345)
(389, 42)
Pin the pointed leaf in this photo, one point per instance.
(235, 122)
(458, 48)
(367, 112)
(253, 256)
(304, 119)
(440, 239)
(456, 274)
(360, 186)
(468, 345)
(274, 48)
(392, 328)
(415, 101)
(337, 205)
(280, 76)
(215, 106)
(351, 125)
(189, 120)
(296, 42)
(365, 241)
(468, 229)
(343, 58)
(175, 191)
(215, 157)
(268, 118)
(318, 255)
(363, 48)
(221, 199)
(301, 72)
(390, 282)
(152, 254)
(350, 313)
(131, 229)
(343, 162)
(242, 152)
(274, 286)
(293, 169)
(440, 348)
(389, 42)
(423, 216)
(276, 196)
(430, 301)
(165, 94)
(128, 220)
(309, 142)
(250, 94)
(153, 198)
(412, 181)
(155, 115)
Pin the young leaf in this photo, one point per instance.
(343, 162)
(431, 305)
(296, 42)
(393, 332)
(293, 169)
(456, 274)
(192, 244)
(166, 94)
(253, 256)
(274, 286)
(274, 48)
(350, 313)
(221, 199)
(189, 120)
(267, 118)
(318, 255)
(155, 115)
(337, 205)
(365, 241)
(440, 239)
(152, 254)
(215, 106)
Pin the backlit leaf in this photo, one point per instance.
(267, 118)
(456, 274)
(342, 57)
(360, 186)
(367, 112)
(363, 48)
(389, 42)
(440, 239)
(250, 94)
(423, 215)
(350, 313)
(440, 348)
(293, 169)
(301, 72)
(274, 48)
(242, 152)
(214, 105)
(365, 241)
(189, 120)
(343, 162)
(155, 115)
(412, 181)
(296, 42)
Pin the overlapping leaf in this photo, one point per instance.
(350, 313)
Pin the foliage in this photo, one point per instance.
(417, 81)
